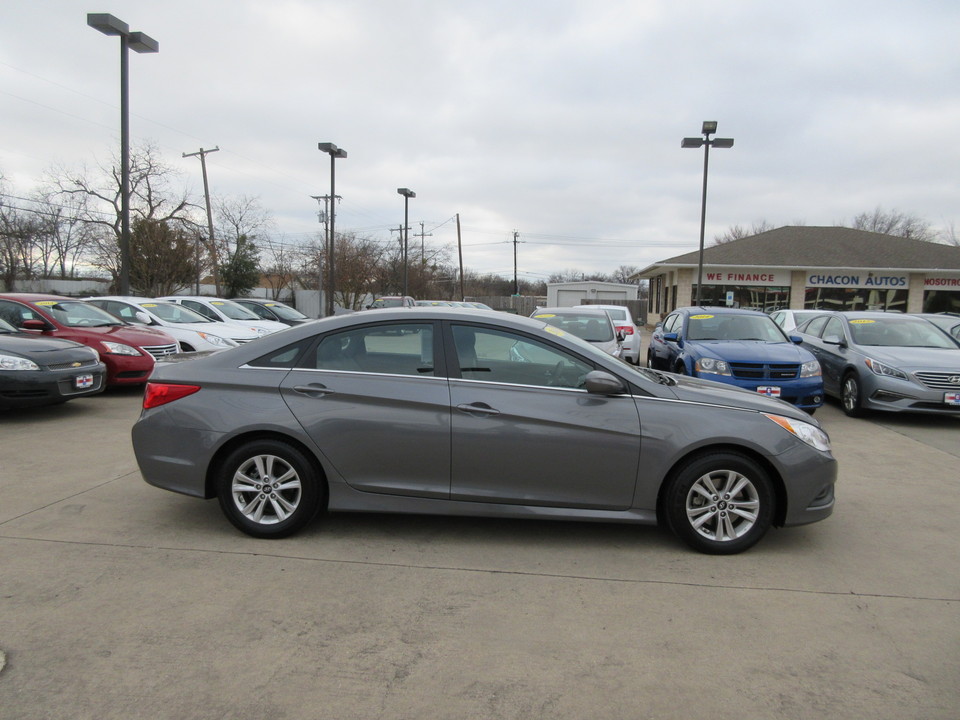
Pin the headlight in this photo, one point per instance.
(119, 348)
(712, 367)
(217, 340)
(14, 362)
(810, 434)
(879, 368)
(810, 369)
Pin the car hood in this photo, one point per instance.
(128, 334)
(34, 346)
(752, 351)
(912, 359)
(707, 391)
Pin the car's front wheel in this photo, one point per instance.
(720, 503)
(850, 396)
(269, 489)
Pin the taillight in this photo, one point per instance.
(625, 329)
(157, 394)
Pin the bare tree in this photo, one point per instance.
(895, 223)
(96, 195)
(238, 220)
(738, 232)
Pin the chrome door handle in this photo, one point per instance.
(478, 408)
(316, 390)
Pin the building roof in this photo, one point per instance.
(800, 246)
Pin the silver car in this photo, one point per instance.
(885, 361)
(590, 324)
(471, 412)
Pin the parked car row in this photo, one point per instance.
(886, 361)
(868, 360)
(125, 334)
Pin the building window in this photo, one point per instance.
(749, 297)
(828, 298)
(935, 301)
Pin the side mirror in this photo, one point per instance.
(34, 324)
(671, 337)
(143, 318)
(599, 382)
(834, 340)
(796, 339)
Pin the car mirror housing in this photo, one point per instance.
(796, 339)
(599, 382)
(834, 340)
(34, 324)
(671, 337)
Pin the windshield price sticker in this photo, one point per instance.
(46, 303)
(951, 398)
(769, 391)
(701, 317)
(555, 331)
(862, 322)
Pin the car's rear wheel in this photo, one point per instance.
(720, 503)
(850, 395)
(268, 489)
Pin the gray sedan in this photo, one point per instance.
(885, 361)
(470, 412)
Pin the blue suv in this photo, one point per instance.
(745, 348)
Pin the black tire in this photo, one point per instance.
(720, 503)
(851, 395)
(681, 369)
(650, 363)
(280, 507)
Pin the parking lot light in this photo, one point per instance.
(407, 194)
(334, 152)
(709, 127)
(141, 43)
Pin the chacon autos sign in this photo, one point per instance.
(856, 279)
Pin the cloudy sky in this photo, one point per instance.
(559, 119)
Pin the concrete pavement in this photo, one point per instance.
(119, 600)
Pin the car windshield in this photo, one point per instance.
(233, 311)
(897, 332)
(287, 313)
(74, 313)
(171, 312)
(587, 326)
(950, 324)
(390, 302)
(706, 326)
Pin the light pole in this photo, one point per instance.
(334, 153)
(141, 43)
(407, 194)
(709, 127)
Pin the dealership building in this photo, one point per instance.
(799, 267)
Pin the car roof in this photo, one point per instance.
(34, 297)
(719, 310)
(578, 310)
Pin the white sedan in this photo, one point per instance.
(194, 332)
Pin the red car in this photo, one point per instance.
(127, 350)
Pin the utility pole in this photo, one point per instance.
(206, 194)
(422, 234)
(460, 252)
(516, 283)
(324, 217)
